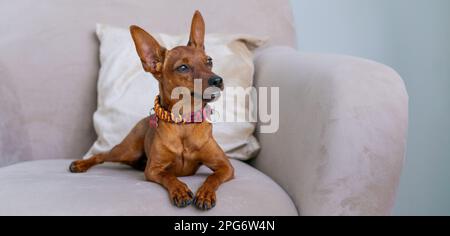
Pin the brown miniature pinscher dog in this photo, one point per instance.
(173, 149)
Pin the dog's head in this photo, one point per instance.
(180, 66)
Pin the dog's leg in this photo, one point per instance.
(130, 151)
(158, 171)
(217, 161)
(179, 193)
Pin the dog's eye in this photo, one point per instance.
(183, 69)
(209, 61)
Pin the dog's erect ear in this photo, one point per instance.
(149, 51)
(197, 36)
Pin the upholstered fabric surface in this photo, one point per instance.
(47, 188)
(343, 126)
(49, 61)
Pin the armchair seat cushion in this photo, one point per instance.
(47, 188)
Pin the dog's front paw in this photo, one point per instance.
(181, 196)
(205, 198)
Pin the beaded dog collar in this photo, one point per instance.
(161, 114)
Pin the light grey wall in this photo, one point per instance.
(413, 37)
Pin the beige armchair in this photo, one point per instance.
(339, 149)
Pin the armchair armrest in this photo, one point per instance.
(341, 141)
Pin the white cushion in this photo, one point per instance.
(126, 93)
(47, 188)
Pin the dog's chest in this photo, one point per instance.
(187, 155)
(187, 141)
(191, 147)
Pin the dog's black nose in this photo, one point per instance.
(215, 81)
